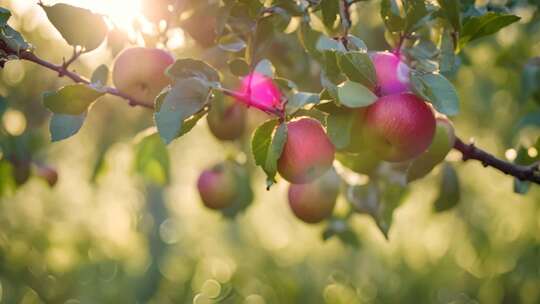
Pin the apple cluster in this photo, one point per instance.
(399, 127)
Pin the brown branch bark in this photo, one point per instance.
(63, 71)
(524, 173)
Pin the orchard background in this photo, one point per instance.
(124, 223)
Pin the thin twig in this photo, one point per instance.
(524, 173)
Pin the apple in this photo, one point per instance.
(227, 123)
(217, 187)
(308, 152)
(140, 73)
(260, 91)
(443, 142)
(399, 127)
(392, 73)
(315, 201)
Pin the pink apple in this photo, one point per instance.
(392, 73)
(399, 127)
(140, 73)
(308, 152)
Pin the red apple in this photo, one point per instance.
(392, 73)
(315, 201)
(308, 152)
(217, 187)
(140, 72)
(399, 127)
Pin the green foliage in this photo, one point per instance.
(450, 190)
(173, 107)
(74, 99)
(152, 159)
(78, 26)
(436, 89)
(100, 76)
(63, 126)
(479, 26)
(267, 145)
(358, 67)
(354, 95)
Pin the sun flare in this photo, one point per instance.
(121, 13)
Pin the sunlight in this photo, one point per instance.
(120, 12)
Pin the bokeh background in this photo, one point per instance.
(103, 236)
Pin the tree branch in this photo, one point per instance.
(63, 71)
(524, 173)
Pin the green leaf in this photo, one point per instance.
(416, 15)
(78, 26)
(330, 12)
(447, 58)
(266, 68)
(436, 89)
(231, 43)
(339, 126)
(267, 144)
(309, 38)
(238, 67)
(187, 68)
(63, 126)
(358, 67)
(13, 40)
(100, 77)
(355, 95)
(480, 26)
(5, 14)
(152, 160)
(358, 43)
(449, 193)
(391, 15)
(3, 105)
(299, 100)
(72, 99)
(450, 10)
(186, 98)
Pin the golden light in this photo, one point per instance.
(121, 13)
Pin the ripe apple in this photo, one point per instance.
(399, 127)
(443, 141)
(392, 73)
(228, 122)
(308, 152)
(140, 72)
(315, 201)
(217, 187)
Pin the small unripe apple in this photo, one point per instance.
(399, 127)
(315, 201)
(140, 73)
(308, 152)
(228, 123)
(217, 187)
(443, 141)
(392, 73)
